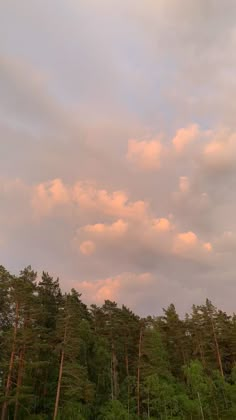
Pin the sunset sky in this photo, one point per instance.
(118, 148)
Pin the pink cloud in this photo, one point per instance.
(115, 288)
(12, 186)
(145, 155)
(207, 246)
(184, 184)
(162, 225)
(87, 248)
(184, 137)
(99, 235)
(220, 154)
(48, 195)
(136, 222)
(114, 204)
(184, 244)
(188, 245)
(188, 238)
(117, 228)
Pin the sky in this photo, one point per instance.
(118, 148)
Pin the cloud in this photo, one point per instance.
(188, 245)
(141, 239)
(14, 197)
(184, 184)
(87, 248)
(208, 246)
(220, 154)
(193, 202)
(100, 235)
(145, 155)
(87, 197)
(226, 243)
(117, 228)
(65, 131)
(137, 231)
(187, 239)
(161, 225)
(46, 196)
(184, 137)
(115, 204)
(115, 288)
(25, 94)
(140, 290)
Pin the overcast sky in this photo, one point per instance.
(118, 148)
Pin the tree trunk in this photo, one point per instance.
(126, 362)
(11, 364)
(202, 354)
(148, 403)
(217, 348)
(112, 391)
(19, 382)
(20, 369)
(114, 371)
(200, 404)
(127, 374)
(138, 372)
(60, 376)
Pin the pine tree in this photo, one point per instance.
(49, 300)
(173, 335)
(60, 359)
(26, 334)
(20, 296)
(7, 337)
(73, 331)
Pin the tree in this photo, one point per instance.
(199, 387)
(114, 410)
(20, 296)
(49, 303)
(73, 330)
(60, 359)
(173, 335)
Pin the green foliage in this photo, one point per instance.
(107, 363)
(114, 410)
(74, 411)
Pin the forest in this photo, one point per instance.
(60, 359)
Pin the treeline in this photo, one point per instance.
(60, 359)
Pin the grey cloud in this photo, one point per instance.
(25, 96)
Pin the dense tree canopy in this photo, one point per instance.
(60, 359)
